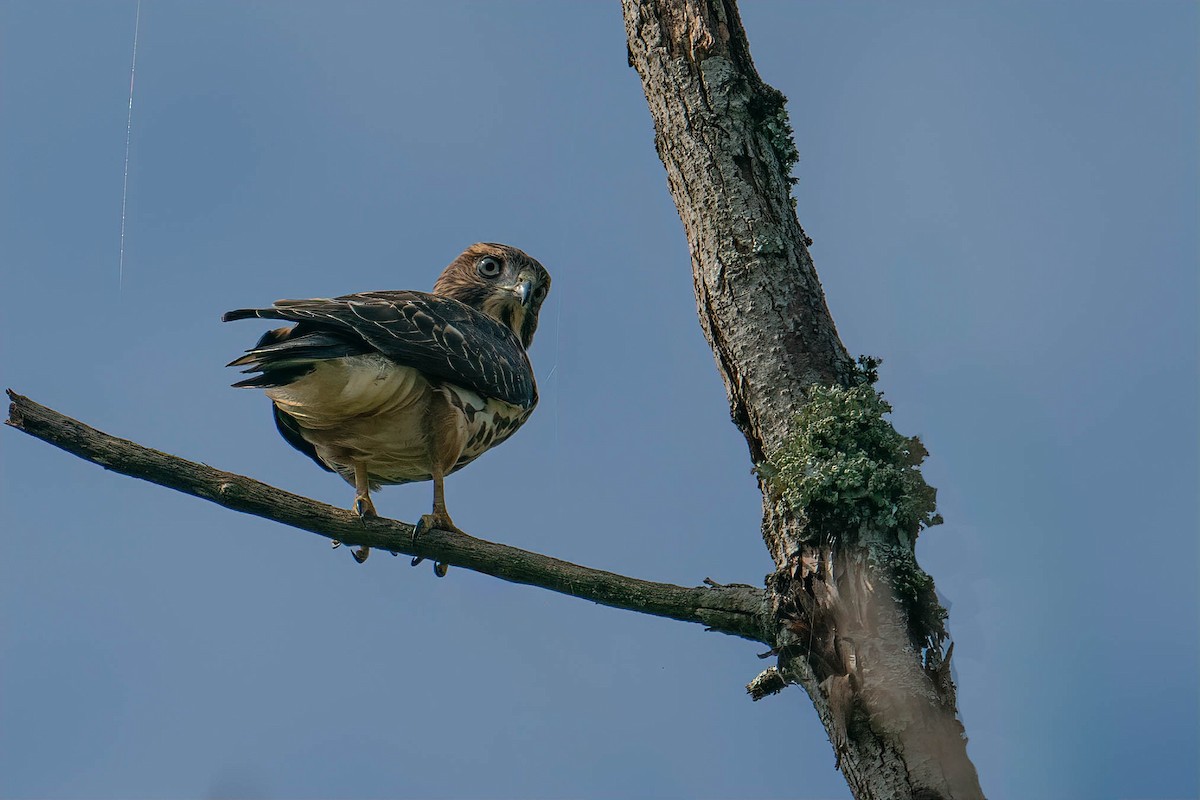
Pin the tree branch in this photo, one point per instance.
(739, 611)
(873, 669)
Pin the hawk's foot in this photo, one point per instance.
(360, 555)
(364, 507)
(441, 522)
(439, 568)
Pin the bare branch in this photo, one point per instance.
(739, 611)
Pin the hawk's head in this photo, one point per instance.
(502, 282)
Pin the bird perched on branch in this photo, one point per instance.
(396, 387)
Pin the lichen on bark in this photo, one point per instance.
(768, 109)
(846, 468)
(856, 481)
(840, 630)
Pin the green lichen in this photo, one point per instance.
(866, 369)
(910, 583)
(847, 469)
(913, 587)
(856, 481)
(769, 111)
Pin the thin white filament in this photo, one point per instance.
(137, 18)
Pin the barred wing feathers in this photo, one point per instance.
(442, 338)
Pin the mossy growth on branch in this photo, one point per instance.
(847, 469)
(915, 590)
(857, 481)
(768, 108)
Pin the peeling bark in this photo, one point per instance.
(875, 670)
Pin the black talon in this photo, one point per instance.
(424, 524)
(364, 508)
(418, 529)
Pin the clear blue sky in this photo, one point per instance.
(1004, 203)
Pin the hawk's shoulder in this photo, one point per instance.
(443, 338)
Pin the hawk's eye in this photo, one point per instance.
(488, 267)
(539, 293)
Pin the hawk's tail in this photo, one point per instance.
(285, 355)
(244, 313)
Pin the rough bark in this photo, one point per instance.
(737, 610)
(874, 668)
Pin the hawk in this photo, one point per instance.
(403, 386)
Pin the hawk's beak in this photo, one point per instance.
(524, 292)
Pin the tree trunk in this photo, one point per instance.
(874, 666)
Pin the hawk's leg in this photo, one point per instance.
(362, 504)
(439, 519)
(445, 447)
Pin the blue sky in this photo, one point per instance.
(1003, 199)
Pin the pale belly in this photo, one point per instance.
(371, 410)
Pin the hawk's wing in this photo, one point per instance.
(442, 338)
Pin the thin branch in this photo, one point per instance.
(739, 611)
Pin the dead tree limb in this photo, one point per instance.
(872, 662)
(739, 611)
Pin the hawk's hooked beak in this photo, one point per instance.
(524, 291)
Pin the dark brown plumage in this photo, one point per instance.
(402, 386)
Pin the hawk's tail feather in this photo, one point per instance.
(266, 341)
(276, 377)
(289, 310)
(243, 313)
(285, 355)
(292, 434)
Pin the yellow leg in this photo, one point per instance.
(362, 504)
(445, 446)
(439, 519)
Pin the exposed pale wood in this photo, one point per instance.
(878, 681)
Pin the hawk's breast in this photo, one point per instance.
(370, 409)
(486, 421)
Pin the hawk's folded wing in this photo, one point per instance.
(443, 338)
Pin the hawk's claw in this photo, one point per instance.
(439, 568)
(429, 522)
(364, 507)
(360, 555)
